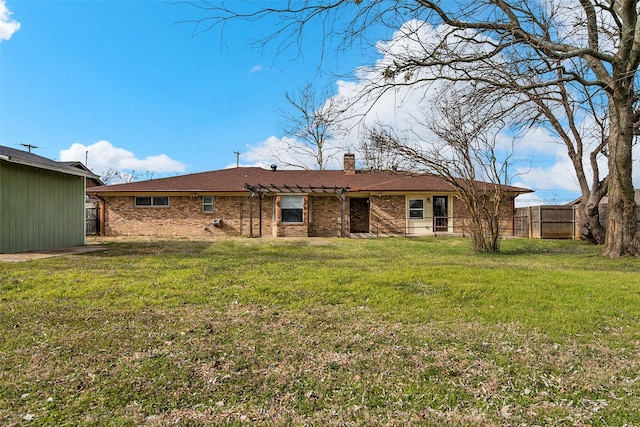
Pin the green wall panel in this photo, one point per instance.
(39, 209)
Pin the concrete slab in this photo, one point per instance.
(28, 256)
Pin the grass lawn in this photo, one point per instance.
(389, 331)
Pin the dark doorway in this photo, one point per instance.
(440, 213)
(359, 215)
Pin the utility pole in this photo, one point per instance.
(237, 153)
(29, 146)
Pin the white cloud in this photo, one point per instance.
(256, 69)
(262, 153)
(102, 157)
(404, 102)
(285, 152)
(8, 26)
(559, 176)
(539, 141)
(541, 158)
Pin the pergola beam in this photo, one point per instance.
(298, 189)
(260, 189)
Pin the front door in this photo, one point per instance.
(359, 215)
(417, 220)
(440, 213)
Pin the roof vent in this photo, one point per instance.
(274, 167)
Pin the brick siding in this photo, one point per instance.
(326, 216)
(462, 221)
(291, 229)
(184, 217)
(387, 214)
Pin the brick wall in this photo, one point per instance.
(462, 221)
(184, 217)
(291, 229)
(388, 214)
(326, 216)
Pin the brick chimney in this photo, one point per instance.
(349, 164)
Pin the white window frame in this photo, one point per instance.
(207, 203)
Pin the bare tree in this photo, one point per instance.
(113, 176)
(374, 153)
(465, 151)
(312, 121)
(574, 114)
(592, 44)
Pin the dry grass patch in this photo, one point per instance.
(330, 333)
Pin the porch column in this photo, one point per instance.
(343, 201)
(251, 213)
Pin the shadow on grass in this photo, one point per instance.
(548, 247)
(308, 249)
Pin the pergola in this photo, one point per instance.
(261, 190)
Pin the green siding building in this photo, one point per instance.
(42, 203)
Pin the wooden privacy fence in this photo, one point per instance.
(545, 222)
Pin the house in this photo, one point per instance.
(252, 201)
(91, 179)
(41, 202)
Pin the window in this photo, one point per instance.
(291, 208)
(207, 204)
(416, 208)
(152, 201)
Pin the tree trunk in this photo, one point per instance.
(588, 215)
(589, 224)
(621, 223)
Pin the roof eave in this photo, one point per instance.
(61, 169)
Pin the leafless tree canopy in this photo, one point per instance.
(376, 156)
(312, 121)
(533, 49)
(113, 176)
(464, 147)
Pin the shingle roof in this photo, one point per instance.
(29, 159)
(236, 179)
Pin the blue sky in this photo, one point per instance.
(130, 73)
(141, 90)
